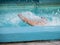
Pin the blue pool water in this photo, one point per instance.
(9, 14)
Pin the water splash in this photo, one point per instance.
(51, 21)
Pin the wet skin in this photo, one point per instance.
(42, 22)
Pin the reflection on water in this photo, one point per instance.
(9, 17)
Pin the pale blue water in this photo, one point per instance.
(9, 15)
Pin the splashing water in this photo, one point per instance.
(9, 17)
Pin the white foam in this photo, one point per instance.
(54, 22)
(30, 15)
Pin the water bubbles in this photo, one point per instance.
(14, 20)
(10, 16)
(58, 10)
(56, 13)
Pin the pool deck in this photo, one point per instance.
(34, 43)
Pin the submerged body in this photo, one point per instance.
(35, 20)
(39, 22)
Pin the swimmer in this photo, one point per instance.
(41, 22)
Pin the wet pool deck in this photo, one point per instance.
(34, 43)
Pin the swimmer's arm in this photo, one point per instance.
(27, 20)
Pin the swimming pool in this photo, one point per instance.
(13, 29)
(9, 14)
